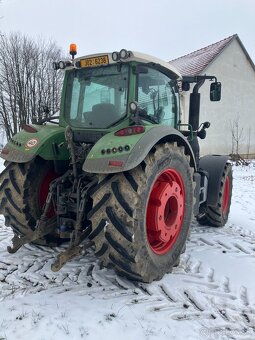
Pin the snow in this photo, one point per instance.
(211, 295)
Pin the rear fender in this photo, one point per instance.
(48, 142)
(214, 166)
(105, 156)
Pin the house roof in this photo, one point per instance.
(196, 62)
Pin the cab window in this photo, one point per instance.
(157, 97)
(96, 97)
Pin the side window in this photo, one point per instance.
(75, 99)
(157, 97)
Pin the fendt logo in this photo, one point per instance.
(31, 143)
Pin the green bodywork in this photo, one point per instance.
(51, 145)
(48, 142)
(138, 148)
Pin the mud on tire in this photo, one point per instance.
(20, 196)
(120, 211)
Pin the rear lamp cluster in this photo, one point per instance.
(29, 128)
(4, 151)
(115, 150)
(129, 131)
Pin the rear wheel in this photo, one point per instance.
(23, 191)
(141, 218)
(217, 216)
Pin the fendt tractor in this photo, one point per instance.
(119, 171)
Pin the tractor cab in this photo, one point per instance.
(99, 89)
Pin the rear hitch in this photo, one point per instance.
(43, 228)
(69, 254)
(77, 236)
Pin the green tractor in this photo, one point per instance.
(119, 171)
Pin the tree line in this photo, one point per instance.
(30, 88)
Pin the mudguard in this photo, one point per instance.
(106, 157)
(214, 166)
(48, 142)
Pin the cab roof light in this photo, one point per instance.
(73, 50)
(131, 130)
(115, 56)
(122, 54)
(61, 65)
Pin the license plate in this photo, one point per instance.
(95, 61)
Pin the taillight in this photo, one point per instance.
(131, 130)
(115, 163)
(5, 152)
(29, 128)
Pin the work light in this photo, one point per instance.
(124, 54)
(115, 56)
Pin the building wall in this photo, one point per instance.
(237, 105)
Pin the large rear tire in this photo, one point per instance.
(23, 191)
(217, 216)
(141, 218)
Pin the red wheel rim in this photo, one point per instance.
(44, 190)
(165, 211)
(226, 192)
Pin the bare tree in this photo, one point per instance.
(237, 135)
(248, 143)
(29, 87)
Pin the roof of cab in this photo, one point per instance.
(139, 57)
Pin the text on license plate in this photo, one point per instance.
(95, 61)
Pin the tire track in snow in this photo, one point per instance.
(202, 298)
(201, 294)
(29, 271)
(227, 240)
(194, 292)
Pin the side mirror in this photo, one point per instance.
(215, 91)
(185, 86)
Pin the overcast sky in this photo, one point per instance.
(163, 28)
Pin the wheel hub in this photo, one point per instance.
(165, 211)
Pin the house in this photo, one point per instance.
(232, 119)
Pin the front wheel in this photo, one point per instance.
(141, 218)
(217, 215)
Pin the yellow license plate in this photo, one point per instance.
(95, 61)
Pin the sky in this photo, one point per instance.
(163, 28)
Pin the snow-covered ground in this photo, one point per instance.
(211, 295)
